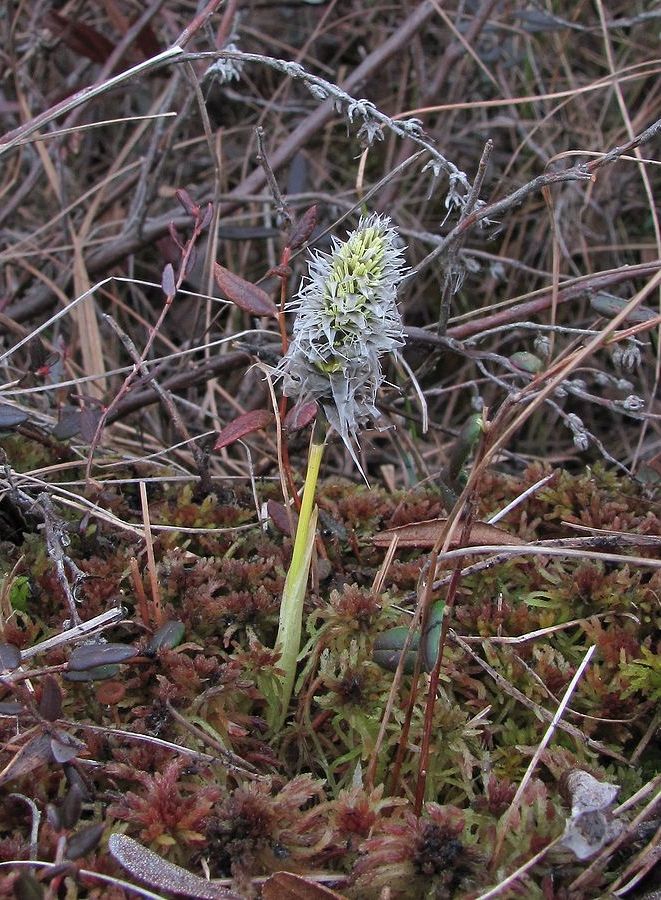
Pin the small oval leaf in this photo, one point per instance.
(394, 638)
(91, 656)
(168, 283)
(278, 515)
(425, 534)
(98, 673)
(50, 705)
(432, 636)
(187, 202)
(10, 658)
(71, 807)
(243, 425)
(527, 362)
(10, 416)
(83, 841)
(389, 660)
(169, 635)
(244, 293)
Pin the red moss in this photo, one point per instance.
(168, 810)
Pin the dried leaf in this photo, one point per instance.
(243, 425)
(244, 293)
(287, 886)
(89, 656)
(147, 42)
(424, 535)
(110, 692)
(147, 866)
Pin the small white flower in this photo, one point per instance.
(347, 320)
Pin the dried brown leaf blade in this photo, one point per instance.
(424, 535)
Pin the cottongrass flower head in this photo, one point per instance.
(347, 319)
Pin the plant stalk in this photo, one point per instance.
(293, 595)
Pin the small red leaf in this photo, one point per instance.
(300, 415)
(303, 228)
(243, 425)
(245, 294)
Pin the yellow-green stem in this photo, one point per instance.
(293, 595)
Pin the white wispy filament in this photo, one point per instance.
(347, 319)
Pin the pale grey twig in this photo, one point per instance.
(81, 630)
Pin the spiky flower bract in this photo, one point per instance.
(347, 320)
